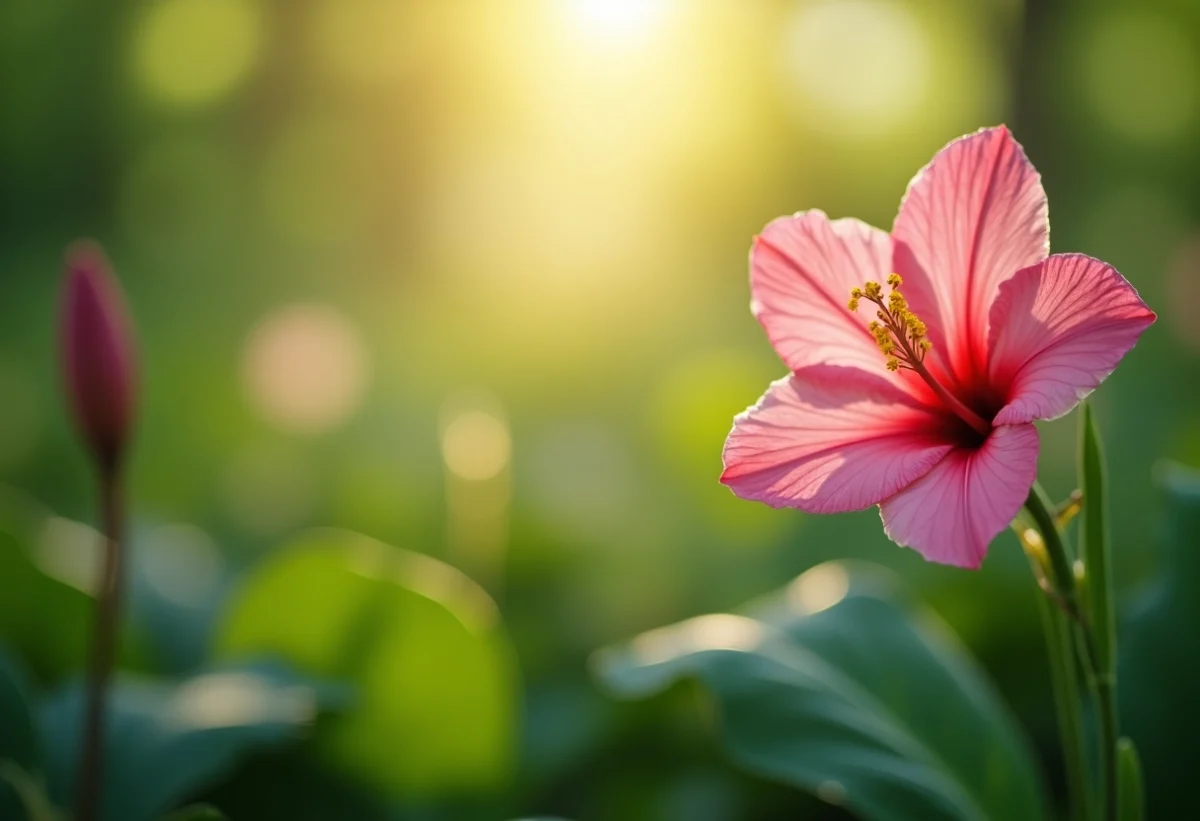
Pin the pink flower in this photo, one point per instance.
(920, 360)
(97, 354)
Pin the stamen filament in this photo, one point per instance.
(900, 335)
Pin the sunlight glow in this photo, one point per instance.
(616, 21)
(863, 65)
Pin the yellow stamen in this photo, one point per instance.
(853, 303)
(872, 291)
(893, 364)
(895, 281)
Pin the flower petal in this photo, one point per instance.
(970, 219)
(801, 271)
(952, 513)
(831, 439)
(1058, 329)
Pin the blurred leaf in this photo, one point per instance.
(166, 741)
(433, 674)
(28, 793)
(835, 687)
(1158, 672)
(45, 620)
(196, 812)
(1132, 802)
(1094, 545)
(18, 741)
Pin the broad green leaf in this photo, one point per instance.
(18, 739)
(1131, 805)
(838, 688)
(422, 645)
(165, 741)
(28, 798)
(1158, 671)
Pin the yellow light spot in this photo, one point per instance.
(70, 552)
(193, 52)
(476, 445)
(818, 588)
(305, 368)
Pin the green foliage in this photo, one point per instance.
(166, 741)
(421, 644)
(44, 620)
(1132, 801)
(862, 699)
(196, 812)
(18, 741)
(1157, 673)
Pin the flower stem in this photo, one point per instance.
(1060, 643)
(1065, 682)
(103, 650)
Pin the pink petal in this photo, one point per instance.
(970, 219)
(1058, 328)
(952, 513)
(831, 439)
(801, 271)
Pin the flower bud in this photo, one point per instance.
(97, 354)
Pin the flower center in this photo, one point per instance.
(900, 335)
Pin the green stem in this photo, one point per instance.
(1063, 677)
(103, 652)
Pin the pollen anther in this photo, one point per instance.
(898, 332)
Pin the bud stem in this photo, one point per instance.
(103, 650)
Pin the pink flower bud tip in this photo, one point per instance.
(97, 353)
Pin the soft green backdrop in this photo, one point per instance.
(469, 278)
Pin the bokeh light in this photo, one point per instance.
(192, 52)
(476, 445)
(305, 368)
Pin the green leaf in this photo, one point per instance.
(422, 645)
(1093, 535)
(166, 741)
(196, 812)
(42, 618)
(29, 795)
(18, 739)
(1158, 671)
(1132, 803)
(838, 688)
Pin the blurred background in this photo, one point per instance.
(469, 279)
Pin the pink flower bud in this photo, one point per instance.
(97, 354)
